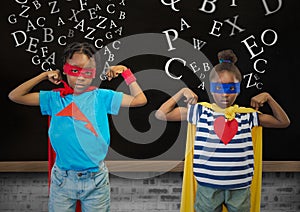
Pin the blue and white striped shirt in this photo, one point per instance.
(218, 165)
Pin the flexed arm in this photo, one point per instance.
(22, 94)
(279, 119)
(168, 111)
(137, 97)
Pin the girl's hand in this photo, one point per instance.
(259, 100)
(54, 76)
(114, 71)
(190, 96)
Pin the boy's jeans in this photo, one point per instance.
(91, 188)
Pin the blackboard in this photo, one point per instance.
(36, 31)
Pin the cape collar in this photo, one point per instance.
(229, 112)
(68, 90)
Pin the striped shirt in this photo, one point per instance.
(219, 165)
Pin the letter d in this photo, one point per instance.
(268, 11)
(21, 35)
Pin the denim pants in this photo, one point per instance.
(211, 199)
(91, 188)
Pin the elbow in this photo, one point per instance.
(12, 97)
(140, 101)
(144, 101)
(160, 115)
(283, 124)
(286, 124)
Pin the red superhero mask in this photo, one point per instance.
(77, 71)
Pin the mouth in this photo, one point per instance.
(79, 86)
(224, 101)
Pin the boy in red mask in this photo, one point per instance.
(79, 127)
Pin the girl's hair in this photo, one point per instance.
(227, 60)
(84, 48)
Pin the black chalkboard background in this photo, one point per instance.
(24, 129)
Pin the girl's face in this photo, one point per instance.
(224, 100)
(80, 83)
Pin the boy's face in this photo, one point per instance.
(225, 89)
(80, 71)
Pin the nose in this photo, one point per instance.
(80, 77)
(225, 94)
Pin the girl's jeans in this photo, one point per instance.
(91, 188)
(211, 200)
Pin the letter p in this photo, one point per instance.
(169, 39)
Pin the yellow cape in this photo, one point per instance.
(189, 184)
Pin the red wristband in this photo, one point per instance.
(128, 76)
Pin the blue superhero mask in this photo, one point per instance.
(229, 88)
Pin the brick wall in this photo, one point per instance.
(29, 192)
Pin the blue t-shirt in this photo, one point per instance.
(79, 127)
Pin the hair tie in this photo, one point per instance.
(225, 61)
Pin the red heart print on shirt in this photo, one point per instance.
(225, 130)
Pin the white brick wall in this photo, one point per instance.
(20, 192)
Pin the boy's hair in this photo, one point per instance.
(227, 59)
(85, 48)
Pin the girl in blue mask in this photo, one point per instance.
(223, 158)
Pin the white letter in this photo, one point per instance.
(12, 21)
(168, 64)
(263, 35)
(213, 6)
(59, 42)
(255, 65)
(214, 27)
(32, 44)
(81, 4)
(49, 34)
(250, 47)
(268, 12)
(15, 37)
(168, 38)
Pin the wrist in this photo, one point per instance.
(268, 97)
(124, 68)
(128, 76)
(184, 90)
(43, 75)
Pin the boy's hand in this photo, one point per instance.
(114, 71)
(54, 76)
(259, 100)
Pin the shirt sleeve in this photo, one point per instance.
(254, 120)
(112, 100)
(44, 102)
(193, 113)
